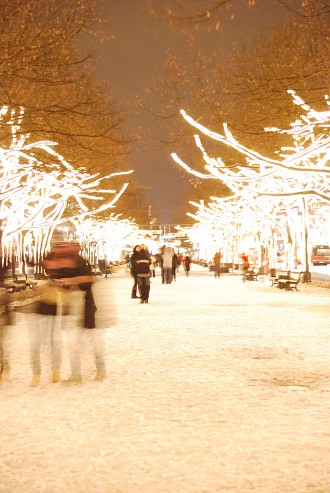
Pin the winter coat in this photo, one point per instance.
(186, 263)
(48, 301)
(133, 262)
(142, 263)
(217, 259)
(167, 257)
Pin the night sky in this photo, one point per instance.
(129, 60)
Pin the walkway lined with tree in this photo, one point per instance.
(216, 385)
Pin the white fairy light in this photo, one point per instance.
(34, 195)
(302, 172)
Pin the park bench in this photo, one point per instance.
(31, 284)
(223, 268)
(251, 274)
(18, 282)
(286, 279)
(15, 283)
(273, 277)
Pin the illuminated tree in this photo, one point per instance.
(105, 240)
(35, 194)
(300, 175)
(245, 84)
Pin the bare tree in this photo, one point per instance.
(43, 70)
(247, 86)
(214, 13)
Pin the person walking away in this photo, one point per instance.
(160, 262)
(142, 266)
(153, 265)
(133, 257)
(186, 264)
(246, 265)
(217, 265)
(167, 264)
(174, 265)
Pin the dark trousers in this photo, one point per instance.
(174, 273)
(144, 287)
(135, 285)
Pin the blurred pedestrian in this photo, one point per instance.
(174, 265)
(246, 265)
(217, 265)
(186, 264)
(70, 305)
(81, 319)
(46, 326)
(160, 262)
(133, 257)
(167, 264)
(153, 265)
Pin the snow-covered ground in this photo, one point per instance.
(214, 386)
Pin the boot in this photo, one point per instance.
(100, 376)
(133, 294)
(56, 376)
(73, 379)
(35, 382)
(6, 370)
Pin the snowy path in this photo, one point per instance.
(215, 386)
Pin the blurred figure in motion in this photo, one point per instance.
(5, 321)
(46, 325)
(168, 253)
(174, 265)
(81, 317)
(132, 260)
(217, 265)
(186, 264)
(153, 265)
(66, 302)
(246, 265)
(142, 266)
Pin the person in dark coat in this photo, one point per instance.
(174, 266)
(142, 266)
(186, 264)
(133, 257)
(217, 265)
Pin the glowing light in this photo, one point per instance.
(268, 188)
(35, 192)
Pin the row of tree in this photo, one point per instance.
(271, 198)
(244, 83)
(63, 148)
(38, 195)
(45, 70)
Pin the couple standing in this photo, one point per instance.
(140, 271)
